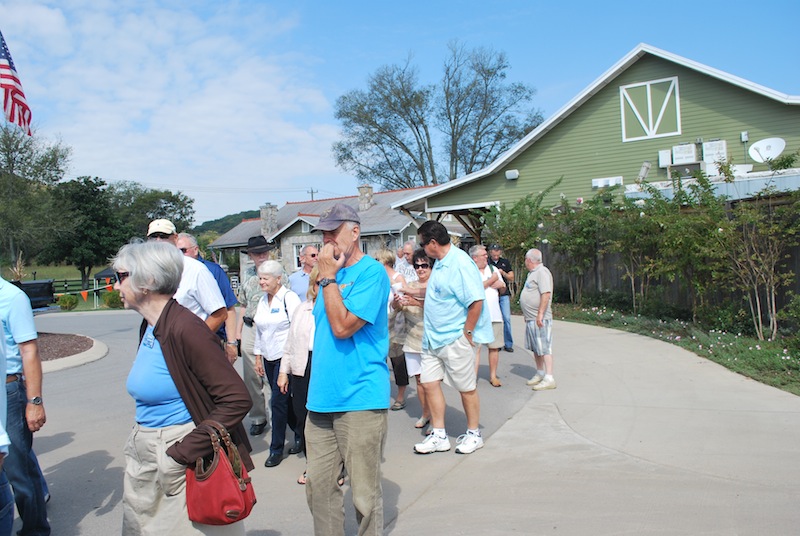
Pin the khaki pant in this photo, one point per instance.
(355, 438)
(253, 382)
(154, 498)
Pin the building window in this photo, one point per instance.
(650, 109)
(298, 250)
(305, 227)
(364, 247)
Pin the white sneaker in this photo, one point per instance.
(432, 443)
(536, 379)
(468, 443)
(545, 384)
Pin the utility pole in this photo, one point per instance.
(312, 191)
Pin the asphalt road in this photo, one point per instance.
(89, 416)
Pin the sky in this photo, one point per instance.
(232, 102)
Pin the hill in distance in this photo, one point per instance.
(226, 223)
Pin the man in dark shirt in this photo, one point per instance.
(504, 267)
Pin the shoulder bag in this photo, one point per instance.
(219, 491)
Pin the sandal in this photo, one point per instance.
(398, 405)
(495, 382)
(302, 479)
(422, 422)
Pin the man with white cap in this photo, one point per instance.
(198, 291)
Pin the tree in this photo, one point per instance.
(137, 206)
(389, 130)
(757, 240)
(518, 227)
(28, 168)
(94, 232)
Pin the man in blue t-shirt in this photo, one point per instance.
(348, 392)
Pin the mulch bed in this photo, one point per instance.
(57, 345)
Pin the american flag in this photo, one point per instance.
(14, 104)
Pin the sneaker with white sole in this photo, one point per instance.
(536, 379)
(545, 384)
(468, 443)
(432, 443)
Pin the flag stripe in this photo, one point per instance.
(15, 106)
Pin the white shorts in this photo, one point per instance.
(454, 363)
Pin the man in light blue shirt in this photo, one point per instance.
(454, 322)
(25, 410)
(298, 280)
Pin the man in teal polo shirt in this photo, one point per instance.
(454, 322)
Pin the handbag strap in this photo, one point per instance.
(221, 438)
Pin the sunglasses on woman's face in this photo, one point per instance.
(121, 276)
(423, 266)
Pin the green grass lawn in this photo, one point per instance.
(768, 362)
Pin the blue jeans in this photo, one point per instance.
(505, 308)
(21, 466)
(280, 407)
(6, 506)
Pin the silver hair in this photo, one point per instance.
(186, 236)
(534, 255)
(273, 268)
(476, 249)
(153, 266)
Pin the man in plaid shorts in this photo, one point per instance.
(535, 302)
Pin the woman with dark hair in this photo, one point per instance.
(179, 378)
(410, 301)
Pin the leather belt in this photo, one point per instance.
(11, 378)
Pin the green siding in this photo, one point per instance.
(588, 143)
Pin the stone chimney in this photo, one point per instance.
(365, 197)
(269, 219)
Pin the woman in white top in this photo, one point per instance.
(296, 362)
(272, 323)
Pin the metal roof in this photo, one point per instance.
(380, 218)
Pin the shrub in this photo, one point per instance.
(67, 302)
(112, 300)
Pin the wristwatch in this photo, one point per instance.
(36, 401)
(325, 281)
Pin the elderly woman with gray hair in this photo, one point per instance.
(179, 378)
(272, 321)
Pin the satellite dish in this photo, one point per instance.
(767, 149)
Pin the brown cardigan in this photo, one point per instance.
(205, 379)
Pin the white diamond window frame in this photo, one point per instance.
(653, 122)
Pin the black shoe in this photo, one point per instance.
(509, 350)
(274, 459)
(297, 448)
(257, 429)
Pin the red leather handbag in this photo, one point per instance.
(219, 492)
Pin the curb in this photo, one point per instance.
(98, 351)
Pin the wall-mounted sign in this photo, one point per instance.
(684, 154)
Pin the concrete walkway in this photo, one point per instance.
(640, 437)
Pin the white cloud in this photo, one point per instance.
(180, 99)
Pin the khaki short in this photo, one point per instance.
(454, 363)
